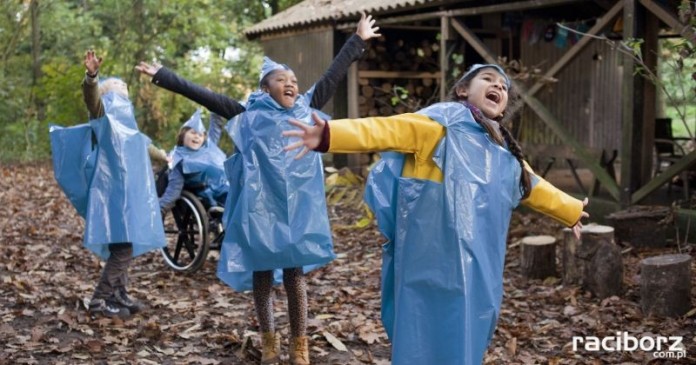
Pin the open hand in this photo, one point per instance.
(366, 28)
(92, 62)
(577, 228)
(148, 69)
(310, 135)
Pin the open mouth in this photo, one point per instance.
(493, 96)
(289, 93)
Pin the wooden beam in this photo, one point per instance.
(627, 110)
(664, 177)
(575, 49)
(353, 91)
(518, 6)
(545, 115)
(445, 37)
(372, 74)
(668, 18)
(498, 8)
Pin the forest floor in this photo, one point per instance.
(46, 277)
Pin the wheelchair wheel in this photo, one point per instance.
(186, 229)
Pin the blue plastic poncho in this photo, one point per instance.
(110, 183)
(205, 166)
(443, 265)
(275, 216)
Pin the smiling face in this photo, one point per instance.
(282, 86)
(193, 139)
(486, 91)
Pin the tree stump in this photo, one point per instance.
(604, 274)
(665, 285)
(572, 262)
(538, 258)
(644, 226)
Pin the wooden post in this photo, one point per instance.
(538, 258)
(665, 285)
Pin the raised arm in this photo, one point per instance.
(90, 85)
(215, 129)
(216, 103)
(352, 50)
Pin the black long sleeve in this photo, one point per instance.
(216, 103)
(327, 84)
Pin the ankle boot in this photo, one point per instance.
(299, 350)
(270, 348)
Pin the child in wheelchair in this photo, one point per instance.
(196, 164)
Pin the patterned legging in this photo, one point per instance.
(296, 288)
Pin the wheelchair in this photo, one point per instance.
(190, 231)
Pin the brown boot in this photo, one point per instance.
(299, 350)
(270, 348)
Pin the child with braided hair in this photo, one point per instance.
(444, 198)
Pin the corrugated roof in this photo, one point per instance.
(311, 12)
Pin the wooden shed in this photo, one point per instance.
(598, 116)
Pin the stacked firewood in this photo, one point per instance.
(398, 76)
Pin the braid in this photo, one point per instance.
(516, 150)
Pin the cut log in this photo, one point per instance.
(367, 91)
(538, 258)
(604, 274)
(573, 265)
(599, 260)
(644, 226)
(665, 285)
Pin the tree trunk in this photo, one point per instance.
(665, 285)
(538, 258)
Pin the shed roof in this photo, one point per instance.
(313, 12)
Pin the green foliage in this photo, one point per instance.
(201, 40)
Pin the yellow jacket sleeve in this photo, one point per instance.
(412, 134)
(405, 133)
(551, 201)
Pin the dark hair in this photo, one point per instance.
(512, 145)
(180, 136)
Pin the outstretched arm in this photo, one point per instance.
(326, 86)
(216, 103)
(551, 201)
(406, 133)
(90, 85)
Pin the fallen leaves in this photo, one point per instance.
(47, 277)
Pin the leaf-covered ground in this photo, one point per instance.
(46, 276)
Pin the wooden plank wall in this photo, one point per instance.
(309, 54)
(586, 98)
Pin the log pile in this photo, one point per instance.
(398, 76)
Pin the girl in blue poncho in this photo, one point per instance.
(275, 215)
(444, 203)
(197, 163)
